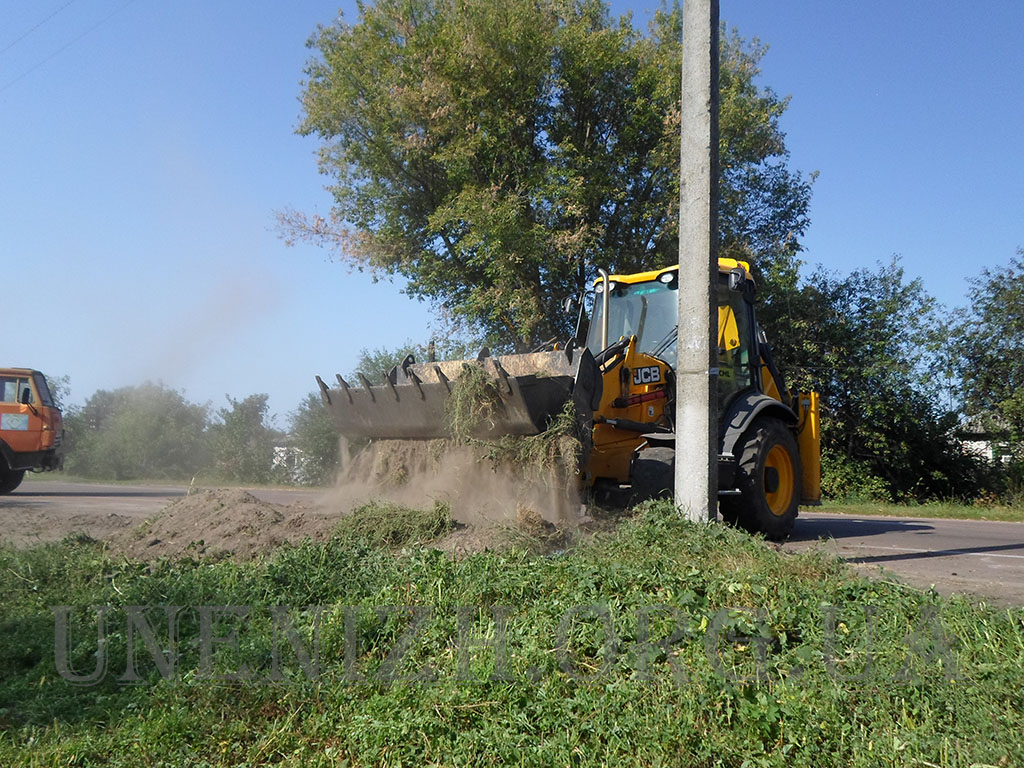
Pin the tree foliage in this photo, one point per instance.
(868, 342)
(989, 341)
(316, 439)
(60, 391)
(496, 154)
(133, 433)
(242, 441)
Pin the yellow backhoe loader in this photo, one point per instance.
(621, 384)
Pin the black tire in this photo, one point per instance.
(768, 476)
(653, 475)
(10, 479)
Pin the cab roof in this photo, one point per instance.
(724, 265)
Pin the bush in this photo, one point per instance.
(848, 480)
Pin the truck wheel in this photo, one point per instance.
(653, 475)
(768, 476)
(10, 479)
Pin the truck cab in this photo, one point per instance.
(31, 427)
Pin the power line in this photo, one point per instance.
(37, 26)
(64, 47)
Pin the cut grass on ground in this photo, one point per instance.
(662, 643)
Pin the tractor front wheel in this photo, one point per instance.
(653, 474)
(768, 477)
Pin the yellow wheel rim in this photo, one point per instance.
(781, 498)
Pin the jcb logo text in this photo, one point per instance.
(649, 375)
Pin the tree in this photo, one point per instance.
(496, 154)
(868, 342)
(375, 363)
(314, 436)
(242, 442)
(60, 391)
(134, 433)
(989, 339)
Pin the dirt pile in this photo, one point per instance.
(223, 523)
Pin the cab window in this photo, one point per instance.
(43, 389)
(11, 388)
(735, 373)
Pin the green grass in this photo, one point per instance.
(949, 693)
(944, 509)
(386, 524)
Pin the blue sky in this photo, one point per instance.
(145, 145)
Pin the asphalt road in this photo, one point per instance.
(974, 557)
(985, 559)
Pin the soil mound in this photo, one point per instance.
(223, 523)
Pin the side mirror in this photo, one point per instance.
(568, 304)
(737, 277)
(26, 396)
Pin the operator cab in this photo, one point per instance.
(646, 306)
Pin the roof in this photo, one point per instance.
(724, 265)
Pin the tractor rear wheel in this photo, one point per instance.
(10, 479)
(768, 476)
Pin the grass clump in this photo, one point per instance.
(387, 524)
(953, 510)
(396, 462)
(533, 533)
(475, 403)
(472, 403)
(557, 449)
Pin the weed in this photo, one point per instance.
(556, 450)
(386, 524)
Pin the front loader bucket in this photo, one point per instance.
(410, 403)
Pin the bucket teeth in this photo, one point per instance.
(442, 378)
(341, 384)
(367, 386)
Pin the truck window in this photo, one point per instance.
(43, 389)
(734, 346)
(11, 388)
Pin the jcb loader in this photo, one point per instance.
(621, 383)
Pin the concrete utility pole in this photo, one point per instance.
(697, 367)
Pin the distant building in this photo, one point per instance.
(290, 462)
(988, 437)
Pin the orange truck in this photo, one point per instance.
(31, 427)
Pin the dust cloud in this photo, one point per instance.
(481, 491)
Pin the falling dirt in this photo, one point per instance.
(480, 489)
